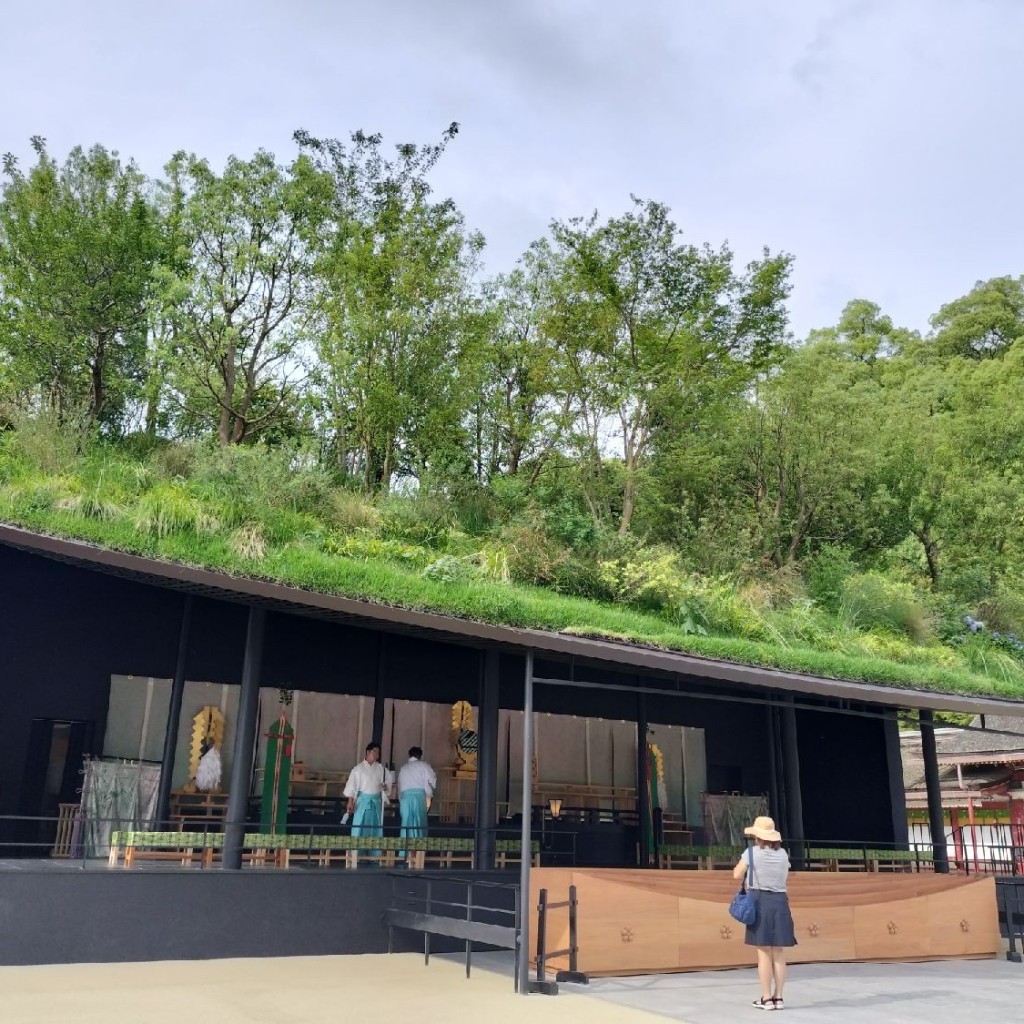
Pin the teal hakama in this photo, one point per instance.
(368, 819)
(412, 804)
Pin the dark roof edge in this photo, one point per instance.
(372, 613)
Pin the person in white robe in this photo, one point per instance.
(365, 790)
(416, 784)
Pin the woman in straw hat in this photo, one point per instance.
(772, 932)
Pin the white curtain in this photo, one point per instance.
(117, 795)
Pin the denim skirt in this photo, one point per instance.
(774, 924)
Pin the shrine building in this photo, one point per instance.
(553, 751)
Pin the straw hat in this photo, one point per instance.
(763, 828)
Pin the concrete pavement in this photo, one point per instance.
(947, 992)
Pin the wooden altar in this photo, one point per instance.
(642, 922)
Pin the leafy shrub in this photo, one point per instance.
(174, 461)
(580, 578)
(449, 569)
(418, 518)
(533, 556)
(48, 444)
(826, 575)
(241, 480)
(649, 578)
(870, 600)
(1004, 610)
(569, 522)
(720, 543)
(370, 549)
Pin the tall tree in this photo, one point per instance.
(400, 320)
(652, 324)
(983, 323)
(78, 243)
(235, 294)
(523, 408)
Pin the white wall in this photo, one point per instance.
(126, 715)
(331, 731)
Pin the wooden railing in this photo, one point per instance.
(66, 814)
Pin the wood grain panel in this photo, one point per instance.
(823, 934)
(626, 928)
(893, 930)
(960, 923)
(634, 921)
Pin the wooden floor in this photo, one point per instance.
(633, 921)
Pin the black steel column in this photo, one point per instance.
(897, 791)
(526, 831)
(487, 761)
(379, 700)
(791, 781)
(774, 788)
(936, 823)
(245, 737)
(643, 783)
(173, 715)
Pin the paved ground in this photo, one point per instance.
(310, 990)
(950, 992)
(299, 990)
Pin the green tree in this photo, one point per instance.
(983, 323)
(524, 408)
(400, 321)
(235, 294)
(864, 332)
(78, 244)
(653, 327)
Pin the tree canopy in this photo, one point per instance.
(621, 415)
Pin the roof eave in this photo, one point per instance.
(370, 614)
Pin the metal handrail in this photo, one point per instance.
(418, 912)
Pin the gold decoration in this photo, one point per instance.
(465, 740)
(208, 725)
(626, 934)
(893, 927)
(659, 761)
(813, 930)
(965, 925)
(726, 932)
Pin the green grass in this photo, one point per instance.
(251, 513)
(199, 542)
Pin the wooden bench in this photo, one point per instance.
(702, 858)
(842, 859)
(260, 849)
(201, 848)
(184, 847)
(509, 851)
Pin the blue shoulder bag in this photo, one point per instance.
(744, 903)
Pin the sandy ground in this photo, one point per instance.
(309, 990)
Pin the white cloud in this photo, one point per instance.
(877, 140)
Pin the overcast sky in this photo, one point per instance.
(879, 141)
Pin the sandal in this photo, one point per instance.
(779, 1004)
(764, 1004)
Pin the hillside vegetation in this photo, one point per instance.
(301, 371)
